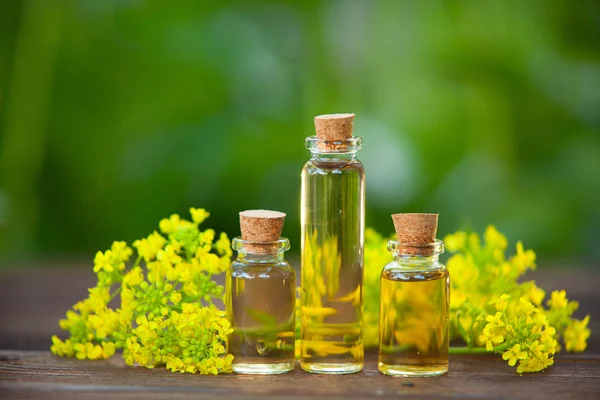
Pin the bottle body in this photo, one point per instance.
(260, 301)
(414, 317)
(332, 216)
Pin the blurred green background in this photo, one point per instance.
(114, 114)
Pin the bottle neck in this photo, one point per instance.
(328, 156)
(416, 260)
(253, 252)
(416, 255)
(260, 258)
(333, 150)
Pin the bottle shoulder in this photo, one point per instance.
(279, 269)
(410, 271)
(321, 167)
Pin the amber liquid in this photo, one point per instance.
(332, 266)
(414, 322)
(261, 307)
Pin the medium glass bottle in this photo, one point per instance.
(414, 311)
(260, 302)
(332, 214)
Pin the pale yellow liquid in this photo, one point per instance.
(414, 322)
(261, 308)
(332, 267)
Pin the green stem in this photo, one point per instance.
(112, 296)
(467, 350)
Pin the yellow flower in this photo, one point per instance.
(525, 307)
(175, 364)
(538, 318)
(98, 298)
(169, 254)
(535, 364)
(474, 242)
(207, 237)
(72, 319)
(188, 308)
(90, 351)
(190, 289)
(494, 239)
(490, 338)
(457, 299)
(175, 297)
(534, 294)
(502, 302)
(108, 349)
(576, 335)
(558, 299)
(223, 245)
(199, 215)
(463, 272)
(134, 277)
(505, 267)
(121, 251)
(169, 225)
(104, 323)
(132, 349)
(80, 351)
(524, 259)
(514, 354)
(147, 248)
(173, 224)
(60, 348)
(547, 339)
(454, 242)
(495, 320)
(102, 261)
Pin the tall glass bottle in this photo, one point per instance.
(332, 213)
(415, 301)
(261, 297)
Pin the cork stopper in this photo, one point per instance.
(415, 230)
(334, 127)
(261, 226)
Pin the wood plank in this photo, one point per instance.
(38, 374)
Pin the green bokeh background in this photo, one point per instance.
(114, 114)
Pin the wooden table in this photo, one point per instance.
(32, 300)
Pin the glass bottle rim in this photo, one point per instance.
(255, 247)
(318, 145)
(427, 249)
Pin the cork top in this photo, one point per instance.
(415, 230)
(334, 127)
(261, 225)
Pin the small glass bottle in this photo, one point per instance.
(332, 218)
(415, 300)
(261, 296)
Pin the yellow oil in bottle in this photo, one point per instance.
(414, 312)
(332, 265)
(261, 308)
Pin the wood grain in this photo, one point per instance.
(38, 374)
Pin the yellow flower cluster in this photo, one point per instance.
(491, 309)
(166, 315)
(522, 333)
(376, 256)
(188, 341)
